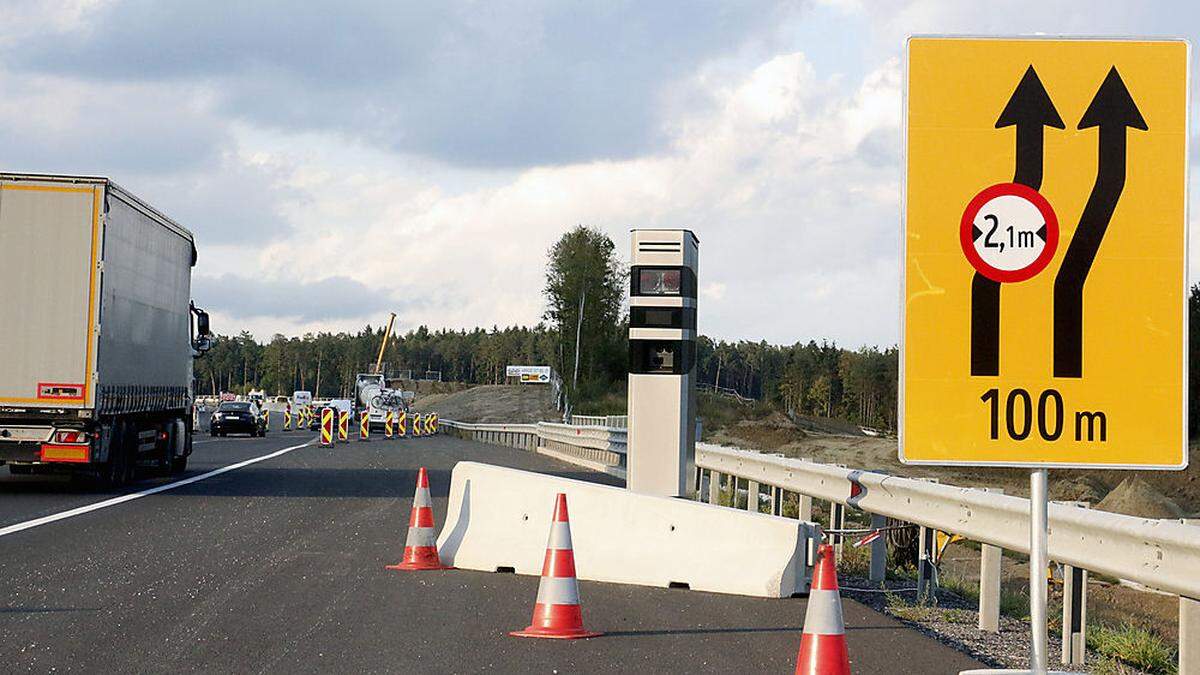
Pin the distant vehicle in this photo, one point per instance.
(97, 329)
(374, 397)
(258, 397)
(338, 404)
(301, 398)
(237, 417)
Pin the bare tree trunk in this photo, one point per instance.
(578, 334)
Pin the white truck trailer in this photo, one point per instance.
(97, 330)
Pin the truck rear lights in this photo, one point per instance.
(71, 436)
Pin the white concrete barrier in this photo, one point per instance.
(500, 518)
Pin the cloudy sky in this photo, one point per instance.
(352, 158)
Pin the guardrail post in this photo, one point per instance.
(1189, 628)
(878, 550)
(776, 500)
(1074, 617)
(926, 554)
(714, 486)
(804, 507)
(990, 560)
(926, 571)
(837, 521)
(752, 490)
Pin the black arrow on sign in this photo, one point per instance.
(1030, 110)
(1112, 110)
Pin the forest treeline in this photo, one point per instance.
(814, 378)
(588, 352)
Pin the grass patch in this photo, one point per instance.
(602, 403)
(855, 561)
(1130, 645)
(961, 587)
(925, 612)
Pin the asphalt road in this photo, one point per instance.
(278, 567)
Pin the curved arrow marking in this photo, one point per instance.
(1030, 110)
(1112, 110)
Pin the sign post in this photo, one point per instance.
(1050, 174)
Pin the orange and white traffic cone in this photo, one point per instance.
(420, 549)
(556, 612)
(823, 642)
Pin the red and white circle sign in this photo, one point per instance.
(1009, 232)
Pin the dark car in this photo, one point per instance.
(237, 417)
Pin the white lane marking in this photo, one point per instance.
(78, 511)
(231, 438)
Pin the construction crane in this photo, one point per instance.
(383, 344)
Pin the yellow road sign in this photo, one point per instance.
(1045, 253)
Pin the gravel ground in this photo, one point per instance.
(954, 622)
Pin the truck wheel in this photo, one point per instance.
(20, 469)
(178, 465)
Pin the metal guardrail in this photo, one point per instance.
(609, 421)
(1161, 554)
(595, 447)
(522, 436)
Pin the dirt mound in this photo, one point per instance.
(827, 425)
(493, 403)
(1088, 489)
(1136, 497)
(773, 432)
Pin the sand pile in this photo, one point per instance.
(1136, 497)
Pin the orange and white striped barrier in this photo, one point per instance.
(432, 423)
(420, 548)
(327, 427)
(556, 612)
(343, 426)
(823, 643)
(287, 418)
(387, 424)
(416, 425)
(364, 426)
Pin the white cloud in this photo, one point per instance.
(772, 134)
(770, 175)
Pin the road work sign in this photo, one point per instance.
(1045, 253)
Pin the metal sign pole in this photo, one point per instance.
(1038, 563)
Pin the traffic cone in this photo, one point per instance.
(420, 549)
(823, 641)
(556, 612)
